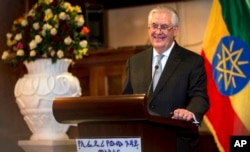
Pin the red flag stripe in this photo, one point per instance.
(221, 110)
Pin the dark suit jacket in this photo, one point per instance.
(182, 83)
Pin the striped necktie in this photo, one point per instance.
(158, 70)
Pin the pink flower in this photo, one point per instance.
(19, 45)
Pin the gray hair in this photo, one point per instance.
(167, 9)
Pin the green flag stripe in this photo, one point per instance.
(236, 14)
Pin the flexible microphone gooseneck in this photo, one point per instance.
(150, 85)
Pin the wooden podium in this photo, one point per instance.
(119, 116)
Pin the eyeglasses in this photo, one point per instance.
(163, 27)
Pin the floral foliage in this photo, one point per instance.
(51, 29)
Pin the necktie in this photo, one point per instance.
(158, 70)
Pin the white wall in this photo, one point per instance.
(128, 26)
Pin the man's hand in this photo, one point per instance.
(182, 114)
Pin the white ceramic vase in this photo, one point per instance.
(35, 92)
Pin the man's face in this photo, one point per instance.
(161, 31)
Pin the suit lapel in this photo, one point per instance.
(148, 70)
(147, 67)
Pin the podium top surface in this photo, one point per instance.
(100, 108)
(113, 108)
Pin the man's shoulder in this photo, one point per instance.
(142, 54)
(188, 53)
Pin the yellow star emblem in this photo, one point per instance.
(229, 65)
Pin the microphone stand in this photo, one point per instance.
(150, 85)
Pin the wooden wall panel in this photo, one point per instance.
(103, 72)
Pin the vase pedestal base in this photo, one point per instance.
(48, 145)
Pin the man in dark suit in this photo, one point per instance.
(181, 90)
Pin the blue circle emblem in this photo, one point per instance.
(231, 65)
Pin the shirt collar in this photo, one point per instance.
(166, 52)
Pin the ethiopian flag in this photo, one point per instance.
(226, 49)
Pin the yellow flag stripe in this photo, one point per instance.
(241, 103)
(216, 29)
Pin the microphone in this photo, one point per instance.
(150, 85)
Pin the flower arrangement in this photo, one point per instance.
(51, 29)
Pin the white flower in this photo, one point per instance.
(53, 31)
(24, 22)
(84, 43)
(48, 12)
(8, 35)
(32, 44)
(32, 53)
(47, 26)
(66, 5)
(79, 20)
(67, 40)
(20, 52)
(62, 16)
(43, 33)
(38, 39)
(5, 55)
(18, 37)
(36, 26)
(60, 54)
